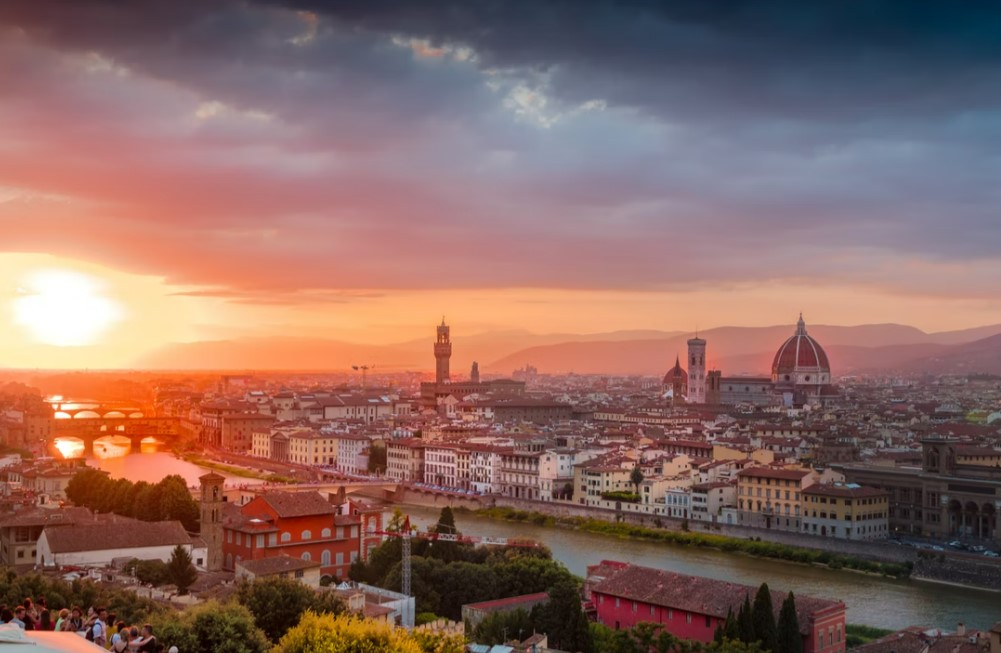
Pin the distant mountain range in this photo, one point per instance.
(886, 348)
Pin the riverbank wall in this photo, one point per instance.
(958, 571)
(962, 570)
(875, 551)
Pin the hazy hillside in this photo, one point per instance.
(982, 355)
(735, 350)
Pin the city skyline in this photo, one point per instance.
(186, 172)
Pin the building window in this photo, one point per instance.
(286, 537)
(307, 535)
(708, 621)
(325, 558)
(307, 557)
(325, 532)
(340, 558)
(688, 617)
(299, 572)
(616, 601)
(260, 542)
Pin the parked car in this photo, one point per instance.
(956, 544)
(992, 554)
(936, 547)
(978, 548)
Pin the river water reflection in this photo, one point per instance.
(870, 600)
(152, 466)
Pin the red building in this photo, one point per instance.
(298, 524)
(691, 607)
(370, 517)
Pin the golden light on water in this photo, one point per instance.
(70, 447)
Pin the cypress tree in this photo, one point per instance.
(731, 630)
(763, 618)
(789, 638)
(745, 623)
(726, 629)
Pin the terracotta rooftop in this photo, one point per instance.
(510, 602)
(692, 593)
(845, 491)
(276, 565)
(298, 504)
(125, 535)
(772, 472)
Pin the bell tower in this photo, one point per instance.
(697, 370)
(442, 353)
(210, 527)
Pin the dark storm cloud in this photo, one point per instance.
(831, 60)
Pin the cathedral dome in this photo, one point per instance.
(801, 360)
(676, 373)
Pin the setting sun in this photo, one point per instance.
(64, 308)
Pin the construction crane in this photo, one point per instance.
(364, 373)
(406, 534)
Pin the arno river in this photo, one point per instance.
(870, 600)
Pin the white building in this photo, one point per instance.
(359, 407)
(351, 450)
(98, 544)
(556, 472)
(709, 500)
(678, 503)
(484, 468)
(441, 465)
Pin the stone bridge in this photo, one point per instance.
(166, 430)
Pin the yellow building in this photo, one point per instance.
(847, 512)
(770, 497)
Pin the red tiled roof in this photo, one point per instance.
(771, 472)
(858, 492)
(692, 593)
(298, 504)
(511, 601)
(128, 534)
(276, 565)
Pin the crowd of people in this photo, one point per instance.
(98, 626)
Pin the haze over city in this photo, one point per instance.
(224, 171)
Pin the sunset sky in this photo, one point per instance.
(182, 171)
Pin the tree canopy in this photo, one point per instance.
(278, 603)
(180, 571)
(347, 634)
(763, 618)
(211, 627)
(789, 639)
(167, 500)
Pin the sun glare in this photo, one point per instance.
(64, 308)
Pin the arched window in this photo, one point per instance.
(306, 556)
(307, 535)
(325, 558)
(325, 532)
(286, 537)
